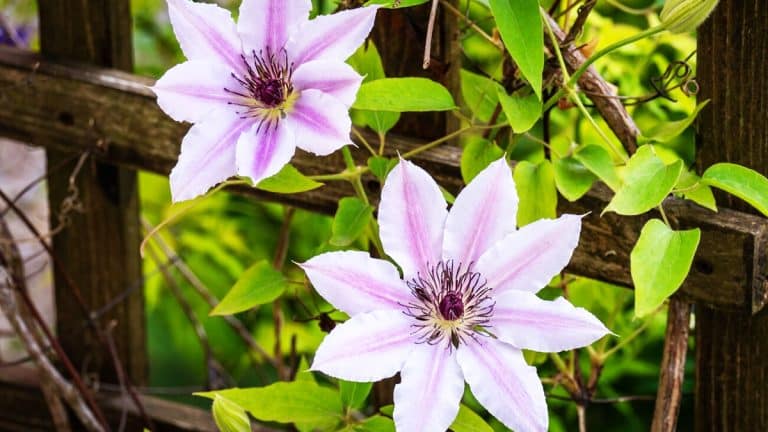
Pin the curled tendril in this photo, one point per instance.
(679, 74)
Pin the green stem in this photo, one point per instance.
(627, 340)
(363, 140)
(575, 97)
(448, 137)
(570, 82)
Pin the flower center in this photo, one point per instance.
(451, 302)
(451, 307)
(266, 88)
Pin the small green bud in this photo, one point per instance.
(229, 416)
(682, 16)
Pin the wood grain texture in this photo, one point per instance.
(99, 248)
(672, 373)
(115, 114)
(732, 347)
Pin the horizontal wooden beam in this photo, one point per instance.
(114, 115)
(23, 408)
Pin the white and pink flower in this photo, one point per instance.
(464, 307)
(258, 89)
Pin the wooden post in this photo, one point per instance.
(400, 35)
(98, 249)
(732, 347)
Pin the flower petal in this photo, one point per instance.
(411, 218)
(206, 32)
(268, 23)
(504, 384)
(332, 77)
(191, 90)
(321, 123)
(528, 259)
(528, 322)
(207, 155)
(332, 37)
(484, 212)
(264, 149)
(354, 283)
(369, 347)
(430, 390)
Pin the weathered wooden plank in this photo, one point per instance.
(732, 347)
(115, 113)
(98, 250)
(23, 409)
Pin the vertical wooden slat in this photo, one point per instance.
(99, 248)
(400, 35)
(732, 347)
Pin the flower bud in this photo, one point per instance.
(682, 16)
(229, 416)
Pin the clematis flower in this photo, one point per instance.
(258, 89)
(464, 308)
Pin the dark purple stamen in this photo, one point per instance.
(266, 84)
(451, 307)
(451, 302)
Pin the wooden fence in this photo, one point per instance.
(74, 97)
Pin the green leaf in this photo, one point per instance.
(522, 111)
(404, 95)
(449, 198)
(258, 285)
(289, 180)
(381, 166)
(478, 153)
(392, 4)
(659, 263)
(287, 402)
(367, 62)
(667, 131)
(741, 182)
(572, 178)
(468, 421)
(376, 424)
(647, 181)
(354, 394)
(229, 417)
(479, 94)
(692, 188)
(537, 192)
(372, 424)
(352, 217)
(599, 162)
(521, 29)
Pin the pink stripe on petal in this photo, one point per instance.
(528, 322)
(264, 150)
(268, 23)
(334, 78)
(529, 258)
(368, 347)
(430, 390)
(355, 283)
(207, 155)
(504, 384)
(484, 212)
(332, 37)
(411, 218)
(191, 90)
(205, 32)
(320, 121)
